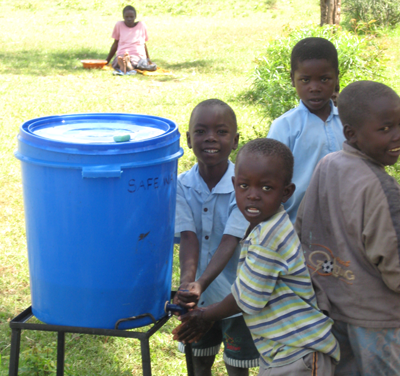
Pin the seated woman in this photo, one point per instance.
(129, 42)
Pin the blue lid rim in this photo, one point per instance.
(26, 134)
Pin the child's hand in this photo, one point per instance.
(193, 327)
(188, 295)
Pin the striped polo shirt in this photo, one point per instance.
(273, 288)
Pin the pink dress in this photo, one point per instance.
(131, 40)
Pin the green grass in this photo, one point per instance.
(209, 48)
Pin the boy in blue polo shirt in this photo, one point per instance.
(313, 129)
(210, 227)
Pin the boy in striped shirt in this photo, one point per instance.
(273, 287)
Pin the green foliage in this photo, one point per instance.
(37, 361)
(365, 28)
(383, 12)
(359, 59)
(153, 7)
(206, 8)
(270, 3)
(394, 171)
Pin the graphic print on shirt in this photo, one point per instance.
(323, 262)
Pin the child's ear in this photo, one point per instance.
(292, 78)
(188, 140)
(288, 191)
(350, 133)
(236, 141)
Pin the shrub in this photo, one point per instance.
(199, 7)
(383, 12)
(359, 59)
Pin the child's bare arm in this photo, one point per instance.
(147, 52)
(113, 50)
(188, 256)
(219, 260)
(188, 259)
(193, 289)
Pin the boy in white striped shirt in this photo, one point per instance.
(273, 287)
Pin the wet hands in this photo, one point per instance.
(193, 326)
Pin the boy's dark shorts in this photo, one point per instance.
(239, 348)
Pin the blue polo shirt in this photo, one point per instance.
(210, 215)
(309, 139)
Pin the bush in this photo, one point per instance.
(383, 12)
(359, 59)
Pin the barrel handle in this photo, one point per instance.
(133, 318)
(53, 164)
(102, 172)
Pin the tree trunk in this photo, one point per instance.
(329, 16)
(330, 12)
(324, 11)
(337, 12)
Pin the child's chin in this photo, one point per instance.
(390, 162)
(316, 106)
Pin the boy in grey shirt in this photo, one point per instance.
(349, 227)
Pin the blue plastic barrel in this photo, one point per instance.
(99, 216)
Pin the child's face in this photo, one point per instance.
(260, 187)
(212, 135)
(315, 81)
(129, 18)
(379, 134)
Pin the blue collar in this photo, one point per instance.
(334, 110)
(193, 180)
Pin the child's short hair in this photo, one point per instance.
(214, 102)
(128, 7)
(355, 99)
(268, 147)
(314, 48)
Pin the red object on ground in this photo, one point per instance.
(93, 64)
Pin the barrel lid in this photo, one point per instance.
(94, 132)
(105, 131)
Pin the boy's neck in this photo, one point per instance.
(131, 27)
(212, 174)
(249, 229)
(324, 113)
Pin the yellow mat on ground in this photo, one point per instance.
(158, 72)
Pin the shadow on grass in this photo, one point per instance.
(197, 64)
(34, 62)
(42, 63)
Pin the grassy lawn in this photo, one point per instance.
(209, 48)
